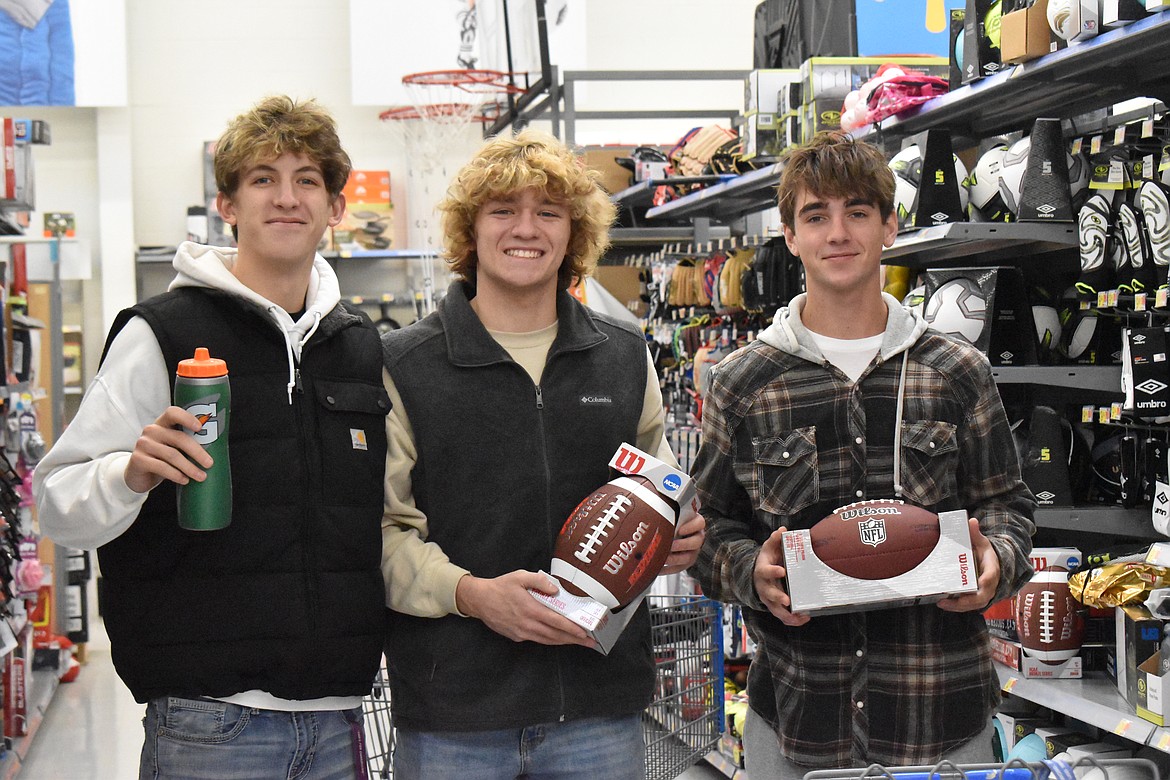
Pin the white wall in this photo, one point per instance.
(192, 66)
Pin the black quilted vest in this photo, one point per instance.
(289, 598)
(498, 472)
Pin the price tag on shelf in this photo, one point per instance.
(1139, 301)
(1103, 415)
(1087, 414)
(1148, 128)
(1160, 297)
(1122, 727)
(1115, 411)
(1163, 742)
(1119, 135)
(1009, 684)
(1095, 145)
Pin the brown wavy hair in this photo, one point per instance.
(505, 165)
(274, 126)
(833, 165)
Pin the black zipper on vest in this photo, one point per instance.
(297, 379)
(539, 398)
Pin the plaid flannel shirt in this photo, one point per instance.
(787, 440)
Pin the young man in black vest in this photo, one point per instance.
(253, 645)
(848, 396)
(510, 401)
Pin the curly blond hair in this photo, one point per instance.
(505, 165)
(274, 126)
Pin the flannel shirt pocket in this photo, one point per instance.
(930, 452)
(786, 471)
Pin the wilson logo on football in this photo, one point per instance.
(628, 462)
(873, 532)
(850, 514)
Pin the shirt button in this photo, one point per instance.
(861, 705)
(860, 493)
(785, 455)
(329, 399)
(860, 653)
(858, 440)
(932, 445)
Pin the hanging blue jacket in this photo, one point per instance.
(36, 64)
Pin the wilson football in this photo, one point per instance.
(875, 540)
(1049, 621)
(616, 541)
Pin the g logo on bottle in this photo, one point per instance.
(208, 416)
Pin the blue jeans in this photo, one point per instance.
(202, 739)
(589, 749)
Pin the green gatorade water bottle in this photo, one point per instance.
(201, 387)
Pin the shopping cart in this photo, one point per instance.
(685, 720)
(1015, 769)
(379, 729)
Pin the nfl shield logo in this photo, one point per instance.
(873, 531)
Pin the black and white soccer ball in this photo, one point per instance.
(959, 308)
(982, 185)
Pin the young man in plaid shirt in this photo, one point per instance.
(807, 419)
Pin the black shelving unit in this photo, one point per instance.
(942, 246)
(1118, 65)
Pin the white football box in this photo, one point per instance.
(817, 589)
(605, 625)
(1015, 657)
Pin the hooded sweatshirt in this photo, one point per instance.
(81, 493)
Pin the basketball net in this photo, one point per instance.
(436, 129)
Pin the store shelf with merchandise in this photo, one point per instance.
(1117, 65)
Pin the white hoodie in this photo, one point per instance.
(80, 487)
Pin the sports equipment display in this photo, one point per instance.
(907, 168)
(1011, 173)
(875, 540)
(616, 541)
(1153, 203)
(959, 308)
(982, 186)
(1049, 621)
(1092, 230)
(1048, 327)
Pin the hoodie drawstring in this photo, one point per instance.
(898, 428)
(288, 348)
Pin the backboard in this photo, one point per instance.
(392, 38)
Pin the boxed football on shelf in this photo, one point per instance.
(878, 554)
(1012, 655)
(616, 542)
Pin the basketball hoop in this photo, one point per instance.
(434, 127)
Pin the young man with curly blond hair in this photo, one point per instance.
(252, 646)
(848, 396)
(510, 401)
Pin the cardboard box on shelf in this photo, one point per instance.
(816, 588)
(1025, 34)
(1014, 657)
(1058, 739)
(764, 136)
(765, 90)
(603, 159)
(1139, 636)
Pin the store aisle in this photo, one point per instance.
(93, 727)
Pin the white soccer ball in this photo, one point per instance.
(1060, 17)
(1011, 173)
(958, 308)
(1048, 327)
(982, 185)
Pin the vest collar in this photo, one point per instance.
(469, 343)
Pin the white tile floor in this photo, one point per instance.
(93, 727)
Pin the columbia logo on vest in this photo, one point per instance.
(596, 400)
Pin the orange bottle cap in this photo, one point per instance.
(202, 365)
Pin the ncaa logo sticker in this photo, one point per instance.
(873, 531)
(672, 482)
